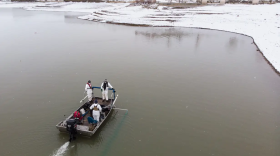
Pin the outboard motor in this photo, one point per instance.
(71, 126)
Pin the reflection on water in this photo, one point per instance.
(167, 33)
(177, 35)
(197, 40)
(232, 42)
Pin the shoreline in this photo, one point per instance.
(212, 17)
(258, 49)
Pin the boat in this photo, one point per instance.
(83, 128)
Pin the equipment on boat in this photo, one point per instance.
(83, 111)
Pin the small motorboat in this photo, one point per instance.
(83, 127)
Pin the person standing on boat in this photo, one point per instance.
(96, 110)
(88, 89)
(104, 88)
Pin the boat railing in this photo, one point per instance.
(113, 91)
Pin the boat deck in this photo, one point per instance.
(103, 104)
(84, 124)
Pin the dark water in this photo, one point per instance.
(188, 91)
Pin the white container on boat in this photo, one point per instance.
(82, 111)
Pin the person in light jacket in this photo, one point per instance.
(88, 89)
(96, 110)
(104, 89)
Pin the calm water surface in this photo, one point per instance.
(189, 91)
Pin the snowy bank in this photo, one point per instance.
(261, 22)
(72, 6)
(58, 6)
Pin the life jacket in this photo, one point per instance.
(89, 85)
(77, 115)
(95, 108)
(105, 85)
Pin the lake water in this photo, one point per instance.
(189, 91)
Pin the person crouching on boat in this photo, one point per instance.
(88, 89)
(96, 110)
(77, 115)
(104, 88)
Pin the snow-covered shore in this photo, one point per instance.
(261, 22)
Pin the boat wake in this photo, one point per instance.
(61, 150)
